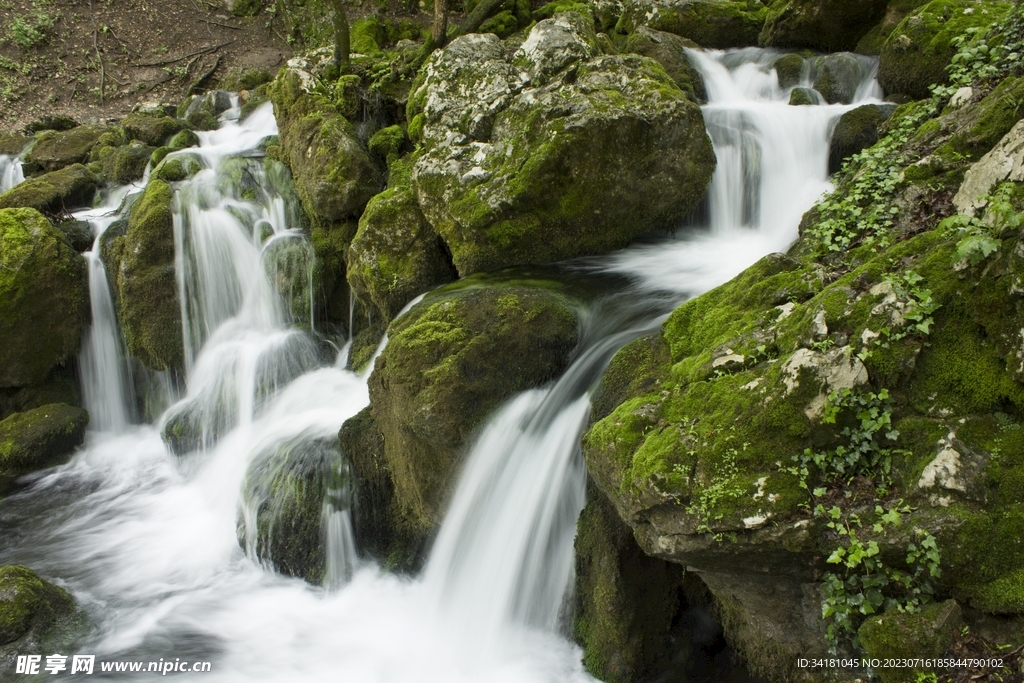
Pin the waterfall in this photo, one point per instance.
(10, 172)
(148, 541)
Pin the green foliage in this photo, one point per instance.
(862, 583)
(985, 55)
(724, 485)
(29, 30)
(979, 239)
(862, 210)
(865, 452)
(918, 305)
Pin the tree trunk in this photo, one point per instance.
(439, 31)
(341, 35)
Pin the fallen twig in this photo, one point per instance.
(205, 50)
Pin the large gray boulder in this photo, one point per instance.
(554, 153)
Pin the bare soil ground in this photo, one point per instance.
(94, 60)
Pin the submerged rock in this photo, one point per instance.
(44, 301)
(554, 154)
(39, 438)
(287, 493)
(449, 362)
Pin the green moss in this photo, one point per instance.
(177, 168)
(147, 290)
(824, 25)
(54, 193)
(55, 150)
(150, 130)
(387, 142)
(30, 604)
(717, 24)
(367, 35)
(789, 68)
(981, 126)
(238, 79)
(246, 8)
(503, 24)
(916, 53)
(183, 139)
(126, 164)
(801, 97)
(43, 298)
(927, 633)
(448, 364)
(38, 438)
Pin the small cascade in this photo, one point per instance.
(107, 391)
(11, 172)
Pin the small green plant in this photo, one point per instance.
(29, 30)
(722, 486)
(979, 238)
(862, 583)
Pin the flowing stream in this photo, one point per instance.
(10, 172)
(147, 541)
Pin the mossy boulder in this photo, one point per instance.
(141, 266)
(13, 144)
(202, 112)
(626, 601)
(855, 131)
(836, 77)
(789, 69)
(286, 490)
(556, 153)
(122, 165)
(928, 634)
(150, 130)
(33, 611)
(669, 50)
(895, 12)
(238, 79)
(916, 53)
(333, 172)
(77, 233)
(826, 25)
(44, 299)
(395, 254)
(449, 362)
(183, 139)
(799, 97)
(55, 150)
(717, 24)
(178, 167)
(54, 193)
(38, 438)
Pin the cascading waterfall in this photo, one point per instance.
(148, 541)
(11, 172)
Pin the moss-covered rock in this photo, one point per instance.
(572, 164)
(44, 300)
(710, 23)
(626, 602)
(916, 53)
(54, 151)
(799, 97)
(826, 25)
(669, 50)
(789, 69)
(333, 172)
(150, 130)
(33, 610)
(123, 165)
(78, 234)
(178, 167)
(38, 438)
(855, 131)
(395, 254)
(55, 193)
(202, 112)
(895, 12)
(13, 144)
(836, 77)
(143, 277)
(60, 386)
(241, 78)
(387, 142)
(449, 362)
(183, 139)
(286, 491)
(928, 634)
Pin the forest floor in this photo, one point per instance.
(94, 60)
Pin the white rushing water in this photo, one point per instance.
(11, 172)
(148, 541)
